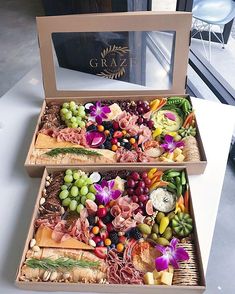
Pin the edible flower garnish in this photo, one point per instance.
(95, 139)
(170, 116)
(105, 192)
(170, 144)
(171, 254)
(99, 112)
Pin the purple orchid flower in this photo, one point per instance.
(170, 144)
(171, 254)
(105, 192)
(99, 112)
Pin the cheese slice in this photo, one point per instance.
(44, 239)
(44, 141)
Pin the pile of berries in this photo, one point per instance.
(137, 186)
(102, 231)
(115, 137)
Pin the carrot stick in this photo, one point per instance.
(162, 103)
(186, 201)
(180, 200)
(188, 120)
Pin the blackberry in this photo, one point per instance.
(91, 220)
(135, 233)
(128, 146)
(107, 124)
(108, 144)
(108, 218)
(91, 128)
(113, 236)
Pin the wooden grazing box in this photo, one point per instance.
(109, 288)
(180, 23)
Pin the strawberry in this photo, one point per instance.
(101, 224)
(104, 234)
(101, 252)
(117, 134)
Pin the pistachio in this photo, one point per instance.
(62, 210)
(32, 243)
(46, 276)
(36, 248)
(42, 201)
(48, 178)
(66, 276)
(47, 184)
(92, 243)
(53, 276)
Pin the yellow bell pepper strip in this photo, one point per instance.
(156, 133)
(154, 104)
(151, 173)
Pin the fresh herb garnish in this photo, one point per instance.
(73, 150)
(60, 263)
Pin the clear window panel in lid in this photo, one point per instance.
(114, 60)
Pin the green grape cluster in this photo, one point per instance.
(73, 115)
(77, 188)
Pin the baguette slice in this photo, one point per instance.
(44, 239)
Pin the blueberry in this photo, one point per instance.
(122, 144)
(128, 146)
(108, 144)
(107, 125)
(91, 128)
(101, 243)
(102, 146)
(112, 246)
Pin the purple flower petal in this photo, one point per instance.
(179, 144)
(115, 194)
(168, 139)
(174, 242)
(106, 109)
(104, 184)
(111, 184)
(161, 263)
(98, 187)
(181, 254)
(161, 248)
(173, 262)
(102, 198)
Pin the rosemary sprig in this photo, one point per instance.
(59, 263)
(73, 150)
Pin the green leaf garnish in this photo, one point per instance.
(72, 150)
(60, 263)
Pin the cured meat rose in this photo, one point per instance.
(123, 210)
(128, 122)
(124, 155)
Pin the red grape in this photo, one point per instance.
(147, 181)
(146, 108)
(114, 141)
(139, 191)
(141, 184)
(135, 198)
(140, 120)
(139, 210)
(150, 124)
(144, 175)
(130, 191)
(140, 110)
(146, 190)
(135, 176)
(130, 183)
(142, 198)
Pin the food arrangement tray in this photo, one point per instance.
(111, 229)
(165, 132)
